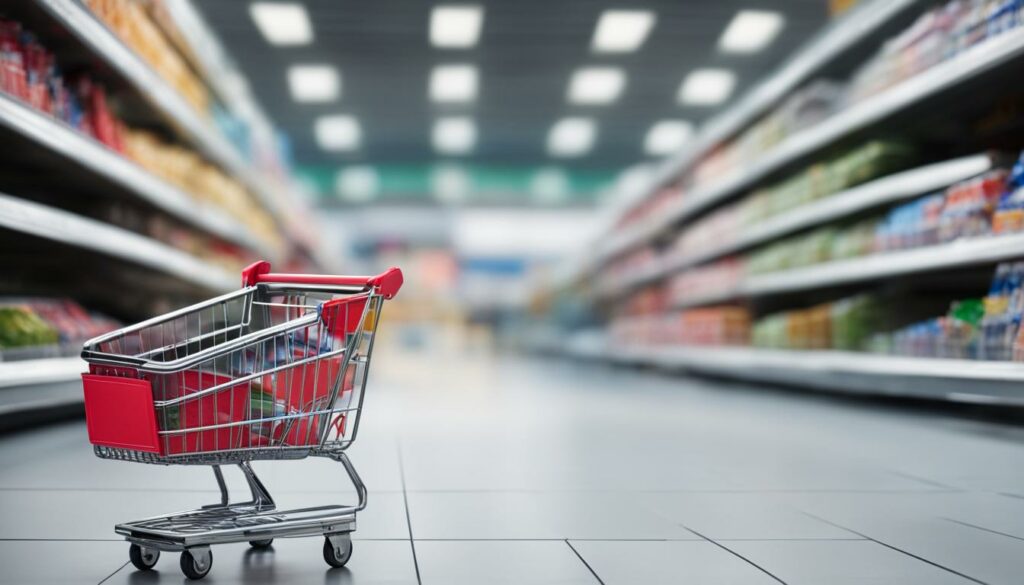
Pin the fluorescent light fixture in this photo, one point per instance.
(596, 85)
(454, 135)
(450, 183)
(314, 83)
(453, 83)
(549, 185)
(571, 137)
(340, 133)
(622, 31)
(750, 31)
(455, 26)
(667, 137)
(282, 23)
(707, 87)
(357, 183)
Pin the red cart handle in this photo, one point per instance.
(386, 283)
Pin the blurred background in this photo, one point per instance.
(813, 194)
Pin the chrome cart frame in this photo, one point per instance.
(276, 370)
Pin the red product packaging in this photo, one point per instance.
(227, 405)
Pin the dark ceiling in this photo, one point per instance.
(527, 52)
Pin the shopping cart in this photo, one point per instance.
(275, 370)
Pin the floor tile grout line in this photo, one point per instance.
(981, 528)
(897, 549)
(924, 480)
(735, 554)
(408, 516)
(118, 570)
(584, 561)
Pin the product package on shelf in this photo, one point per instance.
(33, 328)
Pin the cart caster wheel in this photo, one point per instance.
(143, 558)
(337, 553)
(196, 567)
(261, 544)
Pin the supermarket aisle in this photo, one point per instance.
(513, 471)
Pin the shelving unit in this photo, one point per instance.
(943, 77)
(889, 189)
(981, 69)
(95, 35)
(82, 150)
(61, 226)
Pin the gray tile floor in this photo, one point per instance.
(486, 470)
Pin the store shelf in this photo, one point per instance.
(967, 252)
(60, 226)
(34, 392)
(930, 83)
(931, 378)
(40, 371)
(107, 164)
(890, 189)
(80, 21)
(862, 23)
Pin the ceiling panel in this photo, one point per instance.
(527, 52)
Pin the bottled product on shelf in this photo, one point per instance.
(40, 327)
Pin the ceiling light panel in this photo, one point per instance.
(338, 133)
(453, 83)
(455, 135)
(707, 87)
(456, 26)
(282, 23)
(596, 85)
(622, 31)
(751, 31)
(667, 137)
(314, 83)
(571, 137)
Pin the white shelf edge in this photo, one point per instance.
(972, 62)
(41, 371)
(61, 226)
(834, 369)
(67, 142)
(966, 252)
(90, 30)
(888, 189)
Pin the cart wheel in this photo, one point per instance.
(195, 568)
(143, 558)
(337, 556)
(261, 544)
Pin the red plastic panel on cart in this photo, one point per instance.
(119, 412)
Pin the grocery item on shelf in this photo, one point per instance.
(41, 327)
(713, 279)
(936, 36)
(844, 324)
(28, 72)
(203, 181)
(1003, 308)
(708, 326)
(133, 25)
(1009, 212)
(939, 35)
